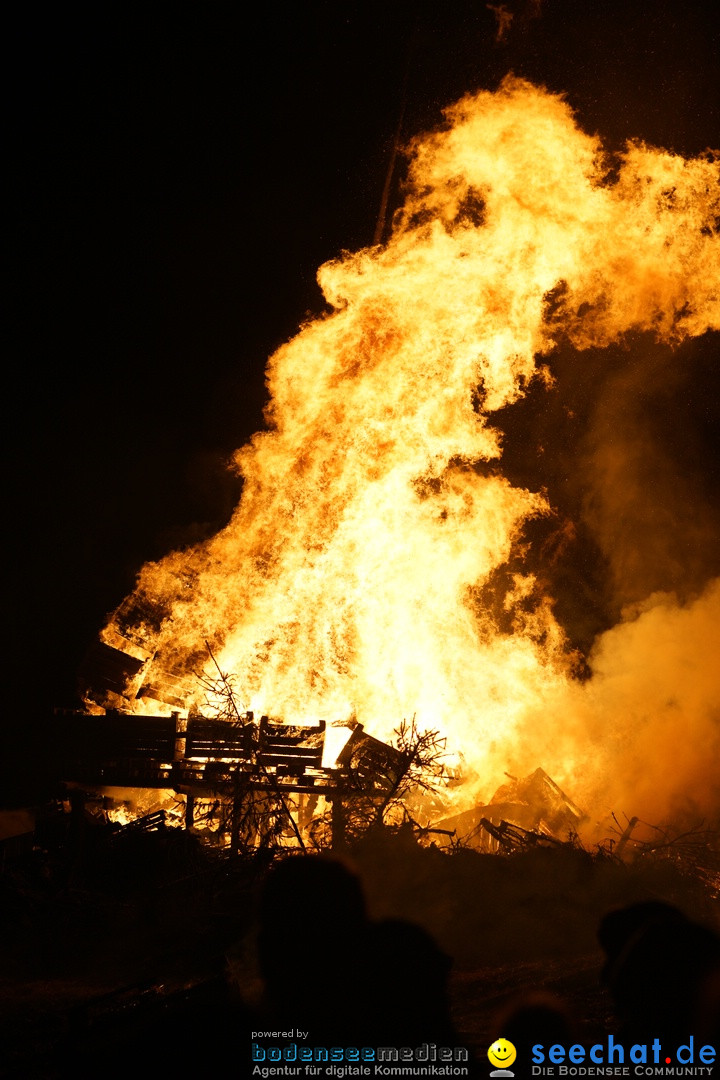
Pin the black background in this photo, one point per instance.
(178, 173)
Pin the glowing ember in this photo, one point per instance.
(373, 506)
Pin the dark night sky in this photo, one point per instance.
(178, 173)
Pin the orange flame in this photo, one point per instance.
(373, 506)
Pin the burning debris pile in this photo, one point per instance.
(352, 582)
(531, 810)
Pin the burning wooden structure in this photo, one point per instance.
(262, 781)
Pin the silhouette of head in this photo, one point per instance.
(657, 963)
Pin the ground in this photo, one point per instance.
(99, 949)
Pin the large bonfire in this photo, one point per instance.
(349, 582)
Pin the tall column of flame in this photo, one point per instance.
(373, 505)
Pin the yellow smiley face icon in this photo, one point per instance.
(502, 1053)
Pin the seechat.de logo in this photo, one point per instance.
(501, 1054)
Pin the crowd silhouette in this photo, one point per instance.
(354, 981)
(329, 969)
(663, 973)
(347, 980)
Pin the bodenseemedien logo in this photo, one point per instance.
(501, 1054)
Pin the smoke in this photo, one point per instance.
(649, 500)
(654, 709)
(508, 21)
(649, 493)
(503, 19)
(631, 559)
